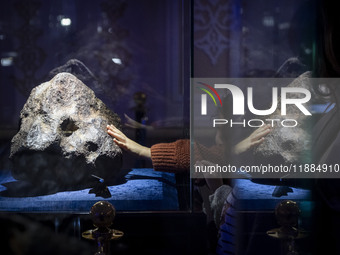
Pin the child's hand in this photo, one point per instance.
(127, 144)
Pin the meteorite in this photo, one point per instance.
(62, 136)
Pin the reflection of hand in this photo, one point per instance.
(126, 143)
(254, 139)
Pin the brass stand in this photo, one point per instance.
(102, 214)
(287, 214)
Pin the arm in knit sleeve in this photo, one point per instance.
(175, 157)
(171, 157)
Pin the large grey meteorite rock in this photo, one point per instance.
(62, 136)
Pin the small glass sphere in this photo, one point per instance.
(287, 213)
(102, 214)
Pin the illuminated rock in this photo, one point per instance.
(62, 136)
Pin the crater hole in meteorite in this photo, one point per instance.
(68, 126)
(288, 145)
(91, 146)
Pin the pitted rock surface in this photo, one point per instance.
(62, 136)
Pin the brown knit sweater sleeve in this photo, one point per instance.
(171, 157)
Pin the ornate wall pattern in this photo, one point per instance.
(212, 24)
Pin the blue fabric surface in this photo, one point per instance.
(254, 196)
(144, 190)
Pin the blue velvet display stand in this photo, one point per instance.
(143, 190)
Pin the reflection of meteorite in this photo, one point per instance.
(288, 145)
(62, 135)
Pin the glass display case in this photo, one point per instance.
(134, 56)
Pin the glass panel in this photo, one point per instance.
(247, 55)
